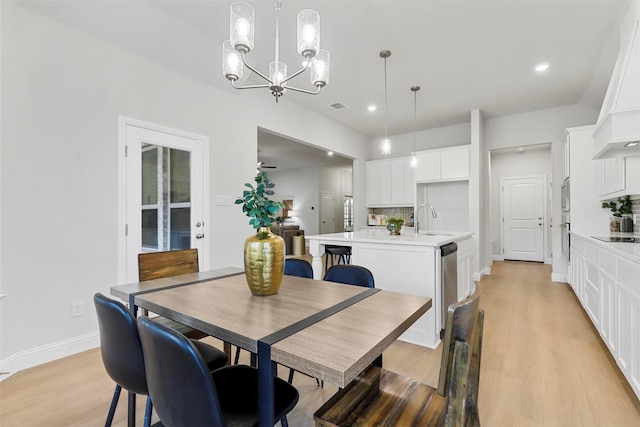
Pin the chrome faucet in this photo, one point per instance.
(433, 214)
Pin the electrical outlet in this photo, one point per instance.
(77, 308)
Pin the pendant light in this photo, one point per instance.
(386, 143)
(414, 159)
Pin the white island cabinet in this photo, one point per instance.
(408, 263)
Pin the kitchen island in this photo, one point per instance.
(408, 263)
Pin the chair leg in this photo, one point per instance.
(131, 420)
(237, 358)
(283, 422)
(114, 403)
(291, 372)
(148, 412)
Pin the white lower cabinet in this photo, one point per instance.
(608, 288)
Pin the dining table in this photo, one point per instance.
(327, 330)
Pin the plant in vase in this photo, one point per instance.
(394, 225)
(621, 220)
(264, 251)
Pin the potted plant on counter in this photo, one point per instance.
(621, 220)
(264, 251)
(394, 225)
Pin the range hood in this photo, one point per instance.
(617, 132)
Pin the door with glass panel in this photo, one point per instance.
(164, 194)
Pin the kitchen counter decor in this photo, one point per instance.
(394, 225)
(264, 251)
(621, 220)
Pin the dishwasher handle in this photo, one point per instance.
(448, 249)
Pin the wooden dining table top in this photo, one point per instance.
(344, 327)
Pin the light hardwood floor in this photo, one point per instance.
(542, 365)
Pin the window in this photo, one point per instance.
(348, 213)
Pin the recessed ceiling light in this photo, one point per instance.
(372, 108)
(542, 67)
(632, 144)
(329, 153)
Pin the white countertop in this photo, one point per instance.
(428, 238)
(627, 250)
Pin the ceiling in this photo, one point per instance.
(464, 54)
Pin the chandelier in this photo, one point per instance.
(241, 42)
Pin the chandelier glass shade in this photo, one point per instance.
(241, 42)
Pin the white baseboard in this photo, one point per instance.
(47, 353)
(558, 277)
(497, 258)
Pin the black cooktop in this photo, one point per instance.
(617, 239)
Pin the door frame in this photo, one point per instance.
(123, 122)
(545, 213)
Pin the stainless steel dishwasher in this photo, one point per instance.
(449, 269)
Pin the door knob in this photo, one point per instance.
(199, 235)
(539, 223)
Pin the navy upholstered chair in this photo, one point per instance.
(122, 354)
(298, 267)
(350, 275)
(185, 393)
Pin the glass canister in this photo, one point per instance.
(626, 223)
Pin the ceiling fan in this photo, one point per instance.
(263, 165)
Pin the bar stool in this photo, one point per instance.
(342, 252)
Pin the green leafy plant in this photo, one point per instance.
(625, 206)
(256, 203)
(398, 221)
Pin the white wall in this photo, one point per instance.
(451, 202)
(304, 185)
(62, 93)
(510, 164)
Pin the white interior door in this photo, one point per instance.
(165, 197)
(523, 207)
(328, 212)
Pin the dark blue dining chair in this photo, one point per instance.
(350, 275)
(123, 359)
(298, 267)
(185, 393)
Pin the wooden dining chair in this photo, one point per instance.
(378, 397)
(188, 394)
(122, 355)
(157, 265)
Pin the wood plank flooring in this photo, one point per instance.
(542, 365)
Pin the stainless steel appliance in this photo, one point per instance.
(449, 255)
(565, 193)
(621, 239)
(565, 223)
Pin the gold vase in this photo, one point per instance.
(264, 262)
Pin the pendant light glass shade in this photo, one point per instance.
(320, 67)
(232, 66)
(308, 33)
(386, 146)
(241, 26)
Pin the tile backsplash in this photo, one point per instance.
(635, 210)
(404, 213)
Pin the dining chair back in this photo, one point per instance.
(298, 267)
(381, 397)
(351, 275)
(158, 265)
(121, 352)
(185, 393)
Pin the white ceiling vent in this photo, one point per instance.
(338, 106)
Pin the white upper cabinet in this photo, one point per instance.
(447, 164)
(618, 176)
(390, 183)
